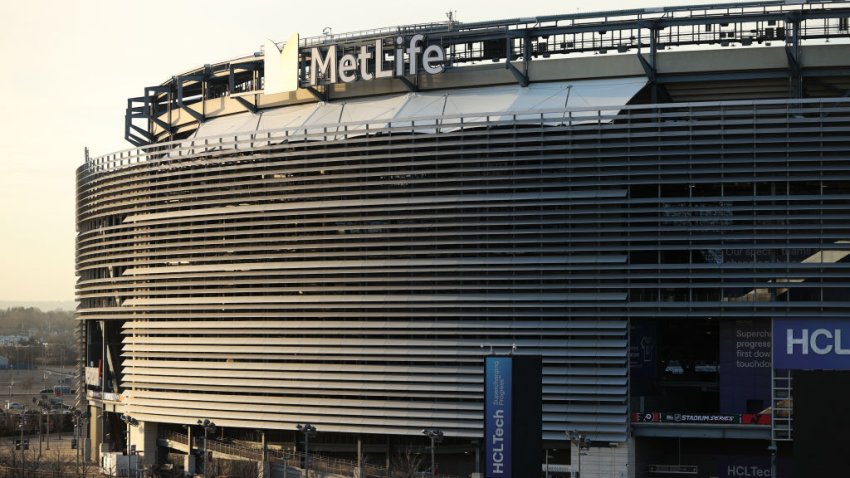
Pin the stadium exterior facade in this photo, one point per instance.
(630, 195)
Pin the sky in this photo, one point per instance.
(69, 67)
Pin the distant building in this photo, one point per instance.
(13, 339)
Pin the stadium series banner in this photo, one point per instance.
(498, 416)
(804, 344)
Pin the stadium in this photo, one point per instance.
(334, 234)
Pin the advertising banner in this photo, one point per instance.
(497, 416)
(811, 344)
(744, 365)
(643, 357)
(702, 418)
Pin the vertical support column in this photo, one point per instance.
(793, 52)
(477, 444)
(144, 438)
(388, 457)
(653, 57)
(95, 434)
(359, 456)
(264, 467)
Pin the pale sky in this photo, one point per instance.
(69, 67)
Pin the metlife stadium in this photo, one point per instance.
(338, 231)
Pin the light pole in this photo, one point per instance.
(77, 436)
(583, 443)
(23, 421)
(209, 427)
(308, 431)
(772, 448)
(436, 436)
(44, 405)
(130, 422)
(84, 435)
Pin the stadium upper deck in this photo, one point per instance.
(770, 50)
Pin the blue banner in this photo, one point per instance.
(744, 365)
(811, 344)
(497, 417)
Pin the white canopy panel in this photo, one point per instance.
(434, 111)
(227, 125)
(289, 117)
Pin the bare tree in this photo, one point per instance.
(243, 469)
(58, 463)
(406, 463)
(213, 467)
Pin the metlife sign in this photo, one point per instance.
(497, 416)
(803, 344)
(329, 64)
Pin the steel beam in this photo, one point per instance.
(408, 84)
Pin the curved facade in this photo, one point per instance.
(355, 274)
(360, 282)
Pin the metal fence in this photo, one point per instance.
(318, 463)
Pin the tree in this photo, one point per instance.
(406, 463)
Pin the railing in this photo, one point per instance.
(182, 149)
(318, 463)
(27, 472)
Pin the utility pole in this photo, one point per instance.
(131, 422)
(84, 420)
(583, 443)
(209, 427)
(436, 436)
(77, 437)
(308, 430)
(23, 421)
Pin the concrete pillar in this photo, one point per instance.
(264, 466)
(189, 465)
(144, 438)
(95, 433)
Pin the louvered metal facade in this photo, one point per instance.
(356, 280)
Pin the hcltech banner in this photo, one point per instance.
(802, 344)
(497, 418)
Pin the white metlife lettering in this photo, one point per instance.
(319, 65)
(413, 51)
(820, 342)
(364, 57)
(380, 72)
(399, 56)
(349, 68)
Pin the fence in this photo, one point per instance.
(318, 463)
